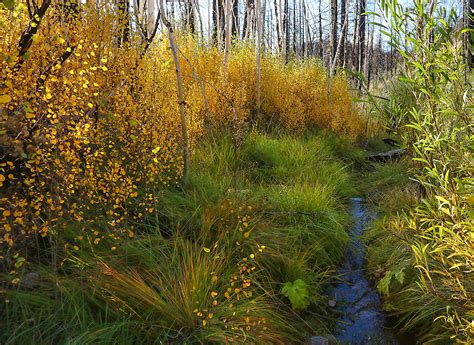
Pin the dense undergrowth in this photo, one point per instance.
(432, 314)
(420, 249)
(101, 240)
(90, 127)
(212, 261)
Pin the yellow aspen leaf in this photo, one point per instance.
(5, 99)
(207, 250)
(446, 210)
(247, 234)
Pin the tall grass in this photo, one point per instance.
(209, 265)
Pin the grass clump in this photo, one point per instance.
(312, 158)
(212, 261)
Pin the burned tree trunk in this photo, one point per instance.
(286, 28)
(189, 17)
(345, 13)
(361, 39)
(249, 9)
(235, 19)
(124, 22)
(277, 27)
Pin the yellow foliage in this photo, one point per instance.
(90, 130)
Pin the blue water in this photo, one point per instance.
(358, 306)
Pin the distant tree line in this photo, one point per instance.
(340, 32)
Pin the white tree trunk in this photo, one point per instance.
(228, 29)
(151, 16)
(179, 82)
(258, 13)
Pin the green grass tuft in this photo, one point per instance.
(209, 265)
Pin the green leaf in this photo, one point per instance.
(400, 276)
(384, 284)
(297, 293)
(371, 13)
(378, 24)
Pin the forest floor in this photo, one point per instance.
(264, 224)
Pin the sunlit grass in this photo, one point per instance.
(209, 264)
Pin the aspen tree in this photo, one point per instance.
(179, 82)
(258, 50)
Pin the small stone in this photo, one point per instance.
(318, 340)
(332, 303)
(30, 280)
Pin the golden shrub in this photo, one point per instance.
(90, 129)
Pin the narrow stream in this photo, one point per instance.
(360, 317)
